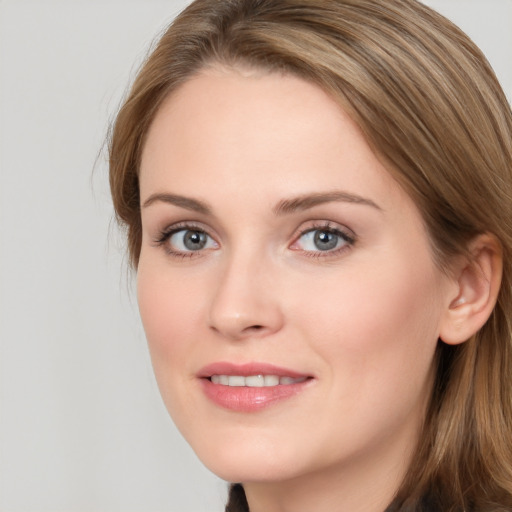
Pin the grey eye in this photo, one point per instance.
(322, 240)
(325, 240)
(188, 240)
(194, 240)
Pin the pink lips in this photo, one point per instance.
(243, 398)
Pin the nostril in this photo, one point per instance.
(254, 328)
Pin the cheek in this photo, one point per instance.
(169, 301)
(378, 331)
(170, 314)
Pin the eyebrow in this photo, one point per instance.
(308, 201)
(183, 202)
(284, 207)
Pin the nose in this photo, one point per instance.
(245, 303)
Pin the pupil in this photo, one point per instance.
(194, 240)
(324, 240)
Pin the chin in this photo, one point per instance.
(249, 471)
(253, 461)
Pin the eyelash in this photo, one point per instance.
(344, 234)
(166, 234)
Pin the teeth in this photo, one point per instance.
(236, 381)
(254, 381)
(285, 381)
(271, 380)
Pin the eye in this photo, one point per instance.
(190, 240)
(186, 240)
(324, 239)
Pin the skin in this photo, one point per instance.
(363, 320)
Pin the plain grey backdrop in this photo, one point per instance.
(82, 427)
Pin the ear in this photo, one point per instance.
(478, 279)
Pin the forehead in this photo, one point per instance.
(259, 133)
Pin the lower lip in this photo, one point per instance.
(248, 399)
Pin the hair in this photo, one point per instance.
(431, 108)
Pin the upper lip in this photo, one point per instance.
(247, 369)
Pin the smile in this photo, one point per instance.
(251, 387)
(255, 381)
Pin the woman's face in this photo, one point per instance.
(286, 284)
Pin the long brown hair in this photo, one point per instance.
(431, 107)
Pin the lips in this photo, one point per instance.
(250, 387)
(254, 381)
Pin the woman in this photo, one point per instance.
(317, 196)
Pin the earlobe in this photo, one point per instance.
(478, 279)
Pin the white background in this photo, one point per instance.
(82, 427)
